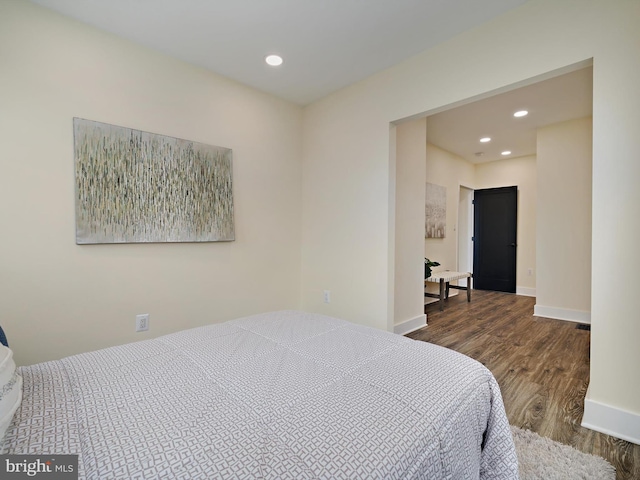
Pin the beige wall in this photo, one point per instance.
(450, 171)
(347, 179)
(59, 298)
(521, 172)
(411, 146)
(348, 218)
(564, 216)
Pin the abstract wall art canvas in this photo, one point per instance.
(435, 211)
(136, 187)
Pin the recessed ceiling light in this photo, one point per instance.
(485, 139)
(506, 152)
(521, 113)
(273, 60)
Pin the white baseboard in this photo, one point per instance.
(526, 291)
(410, 325)
(611, 420)
(579, 316)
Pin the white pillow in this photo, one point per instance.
(10, 389)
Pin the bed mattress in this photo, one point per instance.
(278, 395)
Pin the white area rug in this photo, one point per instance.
(542, 458)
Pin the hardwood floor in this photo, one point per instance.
(542, 366)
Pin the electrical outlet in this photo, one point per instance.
(327, 296)
(142, 322)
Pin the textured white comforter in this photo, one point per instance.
(278, 395)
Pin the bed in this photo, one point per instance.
(277, 395)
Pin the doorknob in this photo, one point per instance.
(513, 244)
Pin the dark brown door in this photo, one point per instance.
(495, 217)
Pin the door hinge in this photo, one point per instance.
(473, 239)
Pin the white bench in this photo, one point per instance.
(443, 277)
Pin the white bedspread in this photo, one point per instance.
(278, 395)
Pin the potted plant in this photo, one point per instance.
(427, 267)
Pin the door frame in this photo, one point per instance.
(464, 246)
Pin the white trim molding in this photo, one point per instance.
(410, 325)
(526, 291)
(611, 420)
(579, 316)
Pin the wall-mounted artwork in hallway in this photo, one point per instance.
(435, 211)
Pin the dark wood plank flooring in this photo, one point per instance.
(541, 364)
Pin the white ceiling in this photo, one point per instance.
(558, 99)
(326, 44)
(329, 44)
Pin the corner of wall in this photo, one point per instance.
(526, 291)
(610, 420)
(410, 325)
(557, 313)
